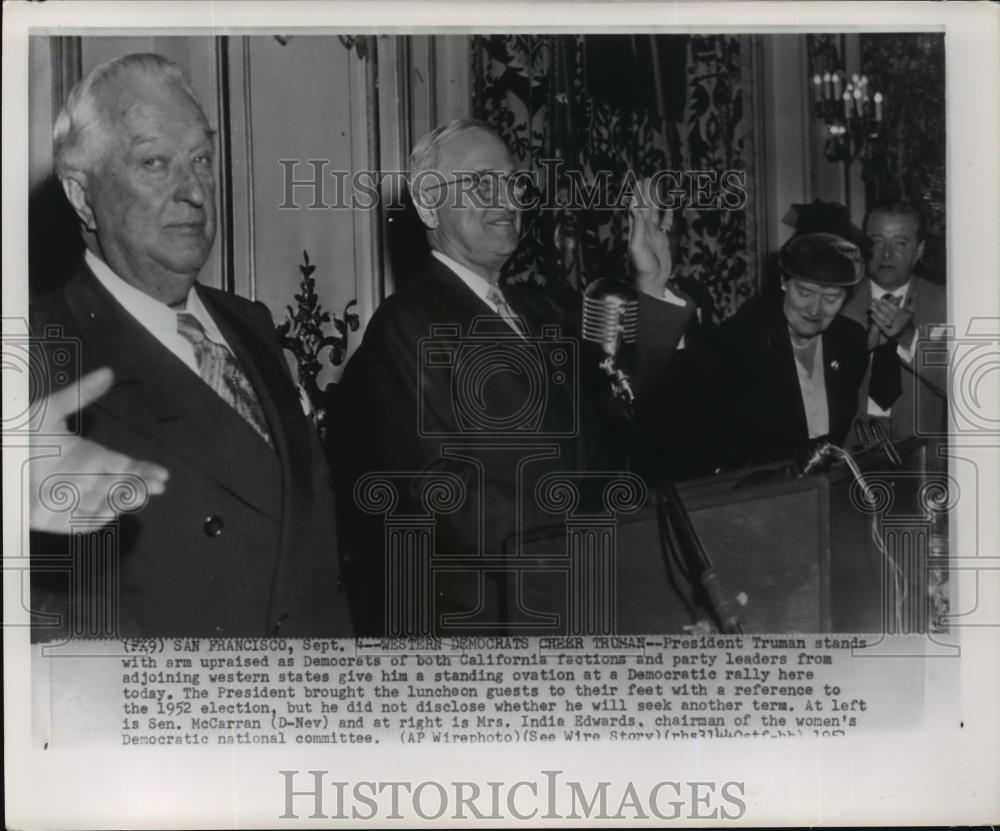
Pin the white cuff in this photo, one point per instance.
(906, 355)
(670, 297)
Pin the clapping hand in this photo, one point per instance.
(90, 467)
(891, 321)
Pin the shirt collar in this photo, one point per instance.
(150, 312)
(901, 291)
(195, 307)
(479, 284)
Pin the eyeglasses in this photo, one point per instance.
(487, 185)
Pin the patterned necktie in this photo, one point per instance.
(495, 296)
(886, 382)
(219, 369)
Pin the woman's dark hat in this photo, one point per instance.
(819, 217)
(826, 259)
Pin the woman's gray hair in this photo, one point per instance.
(82, 128)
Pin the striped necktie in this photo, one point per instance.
(495, 296)
(219, 369)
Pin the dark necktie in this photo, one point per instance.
(886, 382)
(219, 369)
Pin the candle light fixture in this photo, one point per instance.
(851, 112)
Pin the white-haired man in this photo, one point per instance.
(185, 388)
(408, 410)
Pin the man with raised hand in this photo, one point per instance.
(411, 415)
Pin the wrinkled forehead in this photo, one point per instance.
(140, 107)
(474, 150)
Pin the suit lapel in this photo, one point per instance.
(269, 376)
(856, 307)
(454, 302)
(834, 375)
(158, 395)
(787, 408)
(451, 300)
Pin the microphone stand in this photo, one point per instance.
(698, 563)
(610, 320)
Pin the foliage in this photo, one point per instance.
(302, 333)
(539, 92)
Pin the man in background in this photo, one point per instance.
(183, 389)
(903, 314)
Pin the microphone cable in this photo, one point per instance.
(898, 581)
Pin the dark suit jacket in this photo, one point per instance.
(767, 410)
(921, 408)
(738, 400)
(408, 407)
(243, 541)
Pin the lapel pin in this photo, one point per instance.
(834, 364)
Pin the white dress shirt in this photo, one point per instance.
(159, 319)
(812, 386)
(479, 285)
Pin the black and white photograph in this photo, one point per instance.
(454, 384)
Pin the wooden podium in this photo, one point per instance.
(799, 555)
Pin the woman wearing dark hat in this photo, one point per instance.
(790, 365)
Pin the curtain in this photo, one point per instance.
(582, 111)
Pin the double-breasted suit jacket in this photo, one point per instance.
(243, 540)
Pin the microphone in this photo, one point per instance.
(873, 434)
(815, 457)
(611, 321)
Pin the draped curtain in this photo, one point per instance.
(604, 105)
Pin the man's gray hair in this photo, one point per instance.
(426, 153)
(81, 130)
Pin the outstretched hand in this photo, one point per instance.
(648, 241)
(89, 467)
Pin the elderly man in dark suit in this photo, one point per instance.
(904, 315)
(444, 385)
(185, 388)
